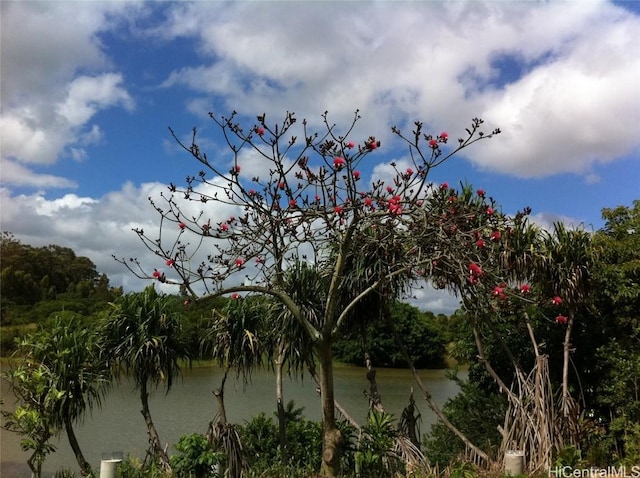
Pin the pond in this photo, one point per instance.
(188, 408)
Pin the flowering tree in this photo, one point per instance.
(308, 203)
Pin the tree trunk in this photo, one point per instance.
(566, 399)
(282, 425)
(85, 467)
(154, 438)
(331, 436)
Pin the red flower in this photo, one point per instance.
(281, 184)
(368, 202)
(444, 135)
(556, 300)
(409, 171)
(317, 198)
(498, 291)
(561, 319)
(292, 203)
(239, 262)
(235, 170)
(475, 269)
(224, 227)
(489, 210)
(337, 209)
(259, 130)
(473, 279)
(156, 273)
(350, 145)
(495, 236)
(235, 295)
(525, 288)
(480, 192)
(252, 192)
(433, 144)
(170, 262)
(480, 243)
(389, 189)
(444, 185)
(338, 162)
(182, 225)
(356, 175)
(372, 144)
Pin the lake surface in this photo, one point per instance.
(188, 408)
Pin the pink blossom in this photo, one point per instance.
(338, 162)
(292, 203)
(239, 262)
(259, 130)
(350, 145)
(373, 144)
(475, 269)
(480, 192)
(356, 175)
(182, 225)
(337, 209)
(561, 319)
(389, 189)
(480, 243)
(444, 185)
(556, 300)
(525, 288)
(281, 184)
(444, 135)
(489, 210)
(156, 273)
(316, 198)
(433, 143)
(252, 192)
(235, 296)
(235, 170)
(368, 202)
(498, 291)
(170, 262)
(495, 236)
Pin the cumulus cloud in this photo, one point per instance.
(573, 103)
(48, 104)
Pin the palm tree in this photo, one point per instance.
(140, 336)
(69, 352)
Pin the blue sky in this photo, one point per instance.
(90, 88)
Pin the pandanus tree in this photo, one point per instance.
(62, 361)
(306, 200)
(141, 337)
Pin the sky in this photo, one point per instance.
(89, 89)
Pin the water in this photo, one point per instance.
(188, 408)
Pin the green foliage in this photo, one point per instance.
(33, 418)
(420, 332)
(39, 281)
(195, 458)
(376, 455)
(134, 468)
(475, 412)
(304, 444)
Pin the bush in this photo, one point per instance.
(195, 458)
(260, 439)
(476, 413)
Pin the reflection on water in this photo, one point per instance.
(188, 408)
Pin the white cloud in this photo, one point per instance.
(573, 105)
(17, 175)
(53, 84)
